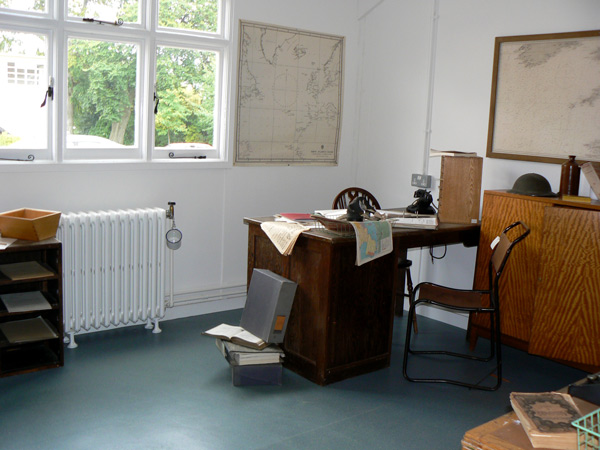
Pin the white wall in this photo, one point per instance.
(383, 131)
(210, 266)
(397, 37)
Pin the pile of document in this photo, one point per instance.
(253, 361)
(252, 349)
(403, 219)
(243, 356)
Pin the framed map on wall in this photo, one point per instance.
(289, 98)
(545, 102)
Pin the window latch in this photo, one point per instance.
(156, 102)
(172, 156)
(29, 158)
(49, 92)
(116, 23)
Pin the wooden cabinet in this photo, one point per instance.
(550, 291)
(31, 323)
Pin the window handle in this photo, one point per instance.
(29, 158)
(49, 92)
(156, 102)
(116, 23)
(172, 156)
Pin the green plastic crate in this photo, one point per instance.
(588, 431)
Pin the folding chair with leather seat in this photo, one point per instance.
(471, 301)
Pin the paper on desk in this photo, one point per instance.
(373, 240)
(331, 213)
(283, 234)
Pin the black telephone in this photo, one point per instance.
(358, 209)
(422, 204)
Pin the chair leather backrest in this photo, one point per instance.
(500, 252)
(505, 246)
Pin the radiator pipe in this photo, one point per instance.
(172, 276)
(173, 242)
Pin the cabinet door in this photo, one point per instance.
(567, 307)
(517, 285)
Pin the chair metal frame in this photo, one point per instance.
(471, 301)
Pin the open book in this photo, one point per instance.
(237, 335)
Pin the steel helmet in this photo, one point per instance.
(532, 184)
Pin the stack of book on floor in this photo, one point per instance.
(252, 349)
(251, 366)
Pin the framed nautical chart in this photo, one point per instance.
(545, 102)
(289, 99)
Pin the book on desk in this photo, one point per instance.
(546, 417)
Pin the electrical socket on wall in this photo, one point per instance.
(419, 180)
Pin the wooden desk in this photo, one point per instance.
(342, 317)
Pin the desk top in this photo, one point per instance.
(446, 233)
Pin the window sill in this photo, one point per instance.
(93, 166)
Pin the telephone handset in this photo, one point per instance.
(358, 209)
(422, 204)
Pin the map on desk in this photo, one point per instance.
(289, 98)
(373, 240)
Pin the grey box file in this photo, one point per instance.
(268, 305)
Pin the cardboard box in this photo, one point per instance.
(29, 224)
(268, 305)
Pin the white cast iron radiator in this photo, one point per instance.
(113, 269)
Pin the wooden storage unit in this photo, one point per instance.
(550, 304)
(460, 189)
(35, 351)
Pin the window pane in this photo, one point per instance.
(197, 15)
(24, 5)
(109, 10)
(101, 87)
(185, 85)
(23, 83)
